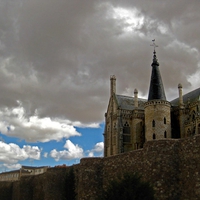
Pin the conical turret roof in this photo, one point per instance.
(156, 90)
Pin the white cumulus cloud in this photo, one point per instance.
(72, 152)
(97, 150)
(17, 123)
(12, 153)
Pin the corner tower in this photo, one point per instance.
(157, 108)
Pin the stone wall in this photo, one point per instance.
(157, 163)
(172, 166)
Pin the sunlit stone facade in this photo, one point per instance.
(130, 121)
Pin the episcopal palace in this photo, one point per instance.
(131, 121)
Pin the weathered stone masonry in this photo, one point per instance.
(172, 166)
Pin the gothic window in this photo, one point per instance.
(126, 128)
(188, 132)
(194, 128)
(199, 129)
(126, 133)
(153, 123)
(165, 134)
(154, 136)
(165, 121)
(193, 115)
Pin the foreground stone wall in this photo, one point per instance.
(171, 166)
(157, 163)
(48, 186)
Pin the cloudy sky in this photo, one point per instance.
(56, 58)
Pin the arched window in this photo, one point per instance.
(165, 134)
(154, 136)
(193, 115)
(199, 129)
(153, 123)
(126, 128)
(165, 121)
(188, 132)
(194, 129)
(126, 133)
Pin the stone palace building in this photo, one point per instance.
(131, 121)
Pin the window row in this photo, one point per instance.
(165, 135)
(154, 123)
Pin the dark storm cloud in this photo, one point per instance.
(57, 56)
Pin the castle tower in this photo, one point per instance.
(157, 108)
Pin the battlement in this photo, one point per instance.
(157, 102)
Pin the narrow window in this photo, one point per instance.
(188, 132)
(165, 120)
(193, 115)
(165, 134)
(154, 136)
(199, 129)
(153, 123)
(126, 133)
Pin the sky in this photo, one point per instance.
(56, 59)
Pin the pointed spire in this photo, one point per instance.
(156, 90)
(155, 60)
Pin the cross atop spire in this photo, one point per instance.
(154, 45)
(155, 61)
(156, 90)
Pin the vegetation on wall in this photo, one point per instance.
(129, 187)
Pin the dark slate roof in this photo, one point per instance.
(127, 103)
(156, 90)
(189, 97)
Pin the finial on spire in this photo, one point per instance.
(155, 61)
(154, 45)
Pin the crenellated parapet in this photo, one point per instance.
(157, 102)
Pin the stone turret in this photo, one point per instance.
(157, 109)
(112, 85)
(180, 89)
(136, 98)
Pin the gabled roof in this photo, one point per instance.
(127, 103)
(189, 97)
